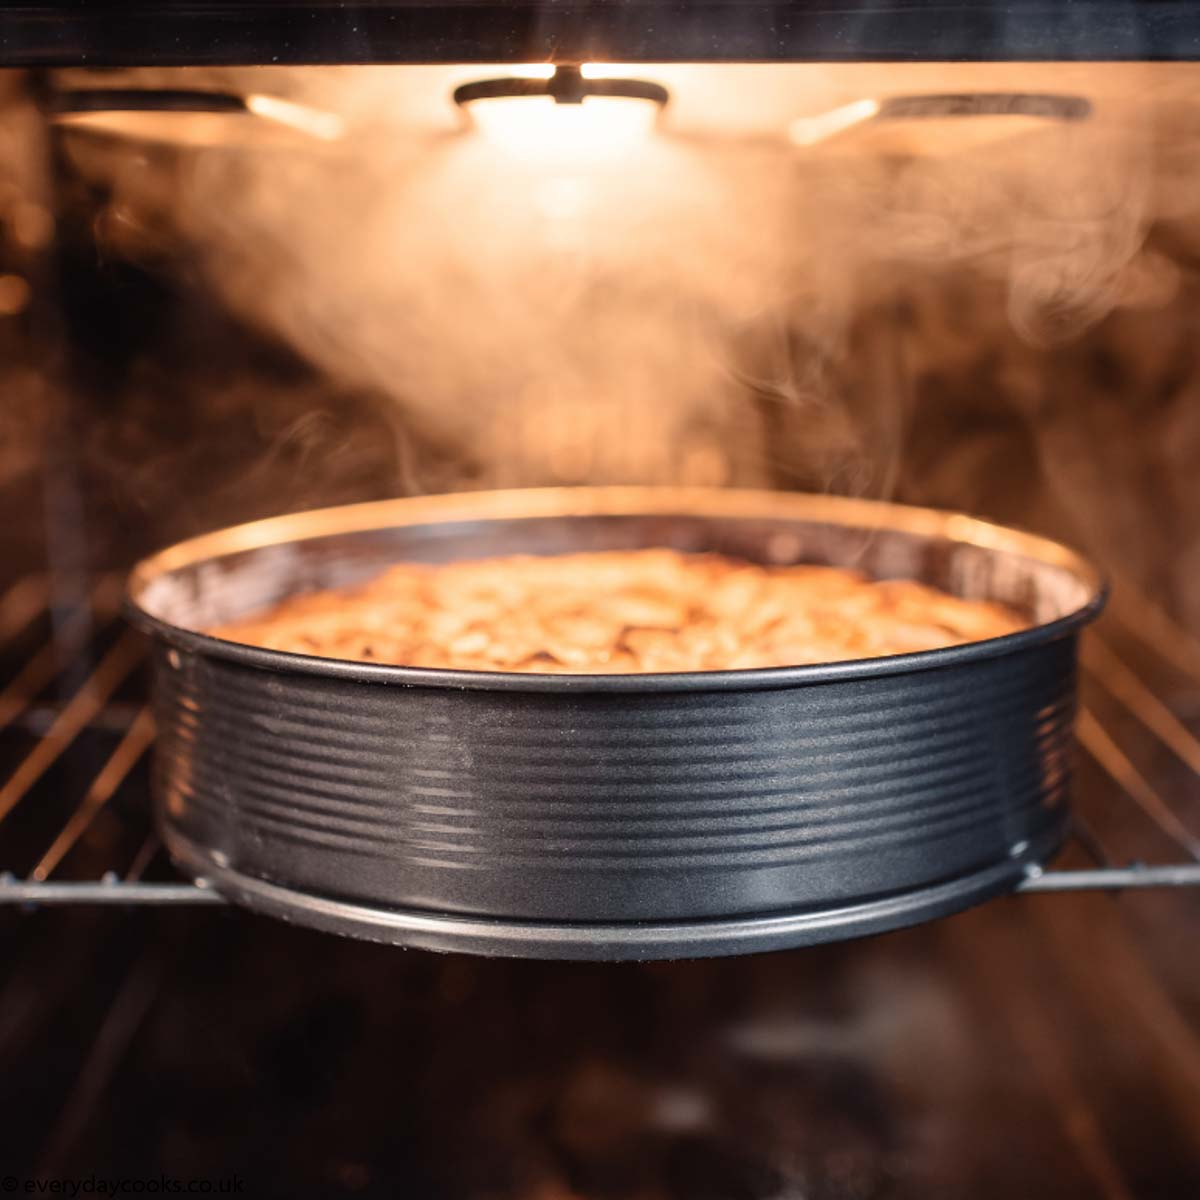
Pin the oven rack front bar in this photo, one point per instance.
(113, 890)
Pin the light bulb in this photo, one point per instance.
(537, 127)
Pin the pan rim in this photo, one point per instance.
(533, 503)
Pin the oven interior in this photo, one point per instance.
(251, 290)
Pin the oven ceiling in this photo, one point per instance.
(325, 31)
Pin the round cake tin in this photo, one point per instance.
(612, 816)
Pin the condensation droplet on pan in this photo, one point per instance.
(974, 574)
(784, 547)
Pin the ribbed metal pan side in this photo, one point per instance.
(600, 807)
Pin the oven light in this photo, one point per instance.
(537, 126)
(532, 70)
(569, 113)
(604, 70)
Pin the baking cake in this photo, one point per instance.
(621, 611)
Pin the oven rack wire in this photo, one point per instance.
(73, 673)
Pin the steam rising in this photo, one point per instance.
(571, 321)
(690, 309)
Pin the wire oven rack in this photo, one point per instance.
(75, 734)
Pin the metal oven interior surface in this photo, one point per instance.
(972, 284)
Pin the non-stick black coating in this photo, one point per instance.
(579, 800)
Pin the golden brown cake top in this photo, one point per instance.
(619, 611)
